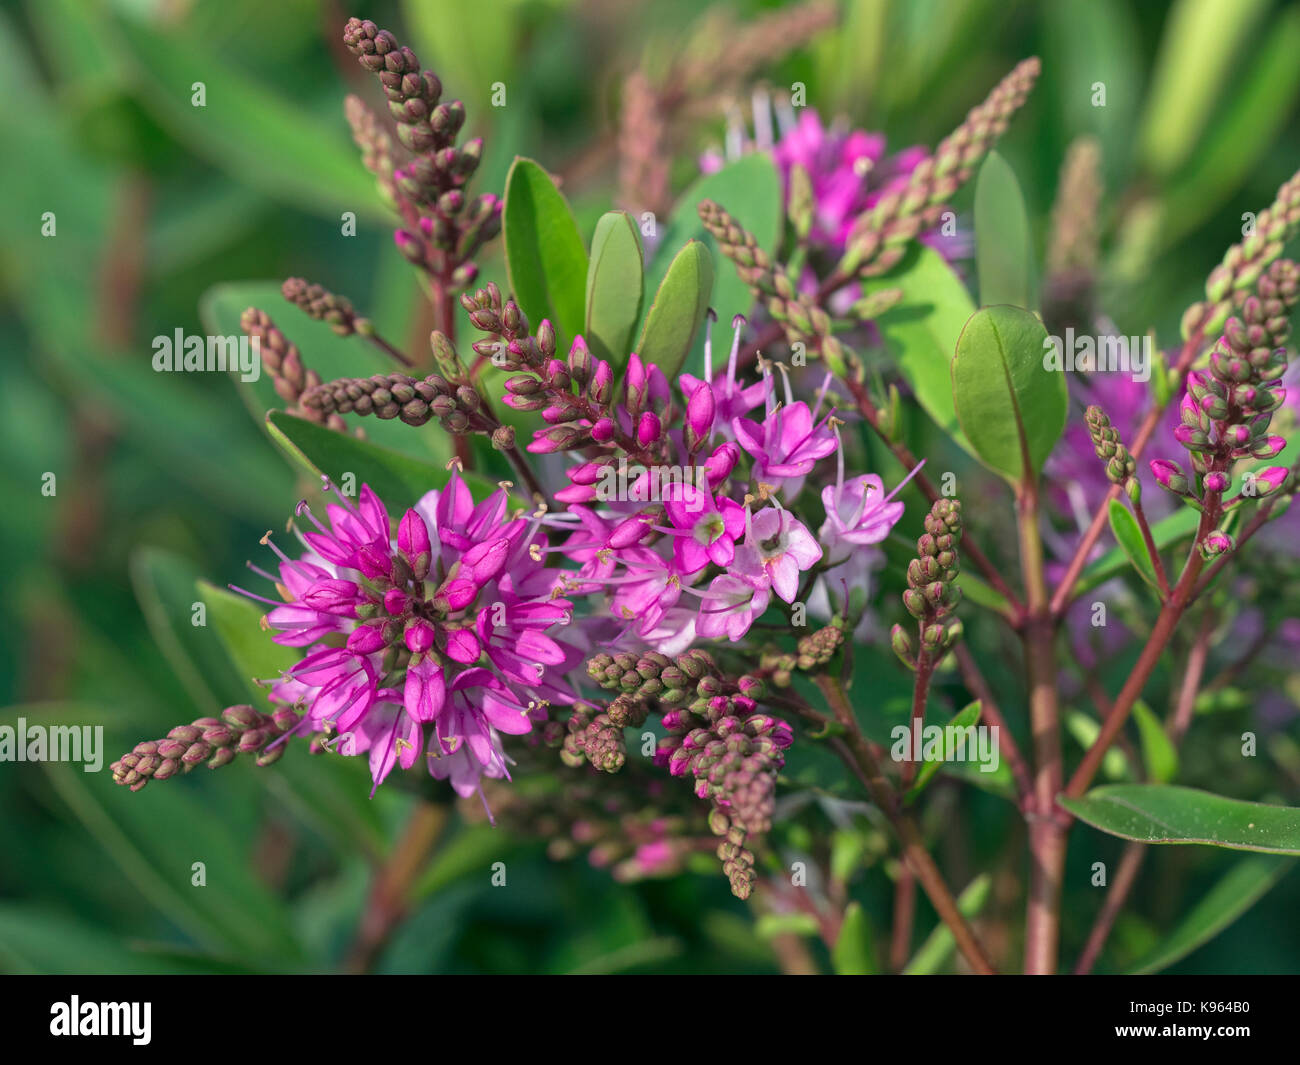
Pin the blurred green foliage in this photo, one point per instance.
(163, 479)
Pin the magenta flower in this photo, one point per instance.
(449, 625)
(705, 531)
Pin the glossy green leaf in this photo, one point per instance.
(1158, 751)
(545, 256)
(1198, 59)
(1128, 534)
(853, 953)
(1243, 886)
(246, 129)
(324, 351)
(934, 953)
(1004, 254)
(678, 310)
(1164, 813)
(750, 191)
(1010, 406)
(614, 288)
(963, 719)
(921, 331)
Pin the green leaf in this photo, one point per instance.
(1158, 751)
(1244, 885)
(678, 309)
(399, 480)
(795, 923)
(853, 952)
(1085, 730)
(1164, 813)
(922, 329)
(545, 257)
(1166, 532)
(1011, 407)
(1004, 255)
(254, 135)
(164, 586)
(965, 718)
(324, 351)
(939, 944)
(1198, 55)
(750, 190)
(1128, 534)
(1247, 126)
(238, 623)
(614, 288)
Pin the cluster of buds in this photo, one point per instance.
(716, 735)
(1227, 410)
(324, 306)
(208, 741)
(575, 395)
(596, 737)
(811, 652)
(932, 593)
(282, 360)
(1121, 466)
(448, 396)
(797, 312)
(446, 228)
(880, 236)
(1232, 280)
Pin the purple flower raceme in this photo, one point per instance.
(449, 624)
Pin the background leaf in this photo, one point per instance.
(1004, 254)
(921, 331)
(1157, 749)
(1243, 886)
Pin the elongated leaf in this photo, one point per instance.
(1129, 537)
(750, 190)
(1157, 749)
(1243, 886)
(238, 623)
(678, 310)
(1011, 407)
(1163, 813)
(853, 952)
(921, 331)
(614, 288)
(1166, 532)
(1263, 97)
(963, 719)
(1197, 56)
(938, 946)
(1004, 255)
(545, 257)
(255, 135)
(164, 586)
